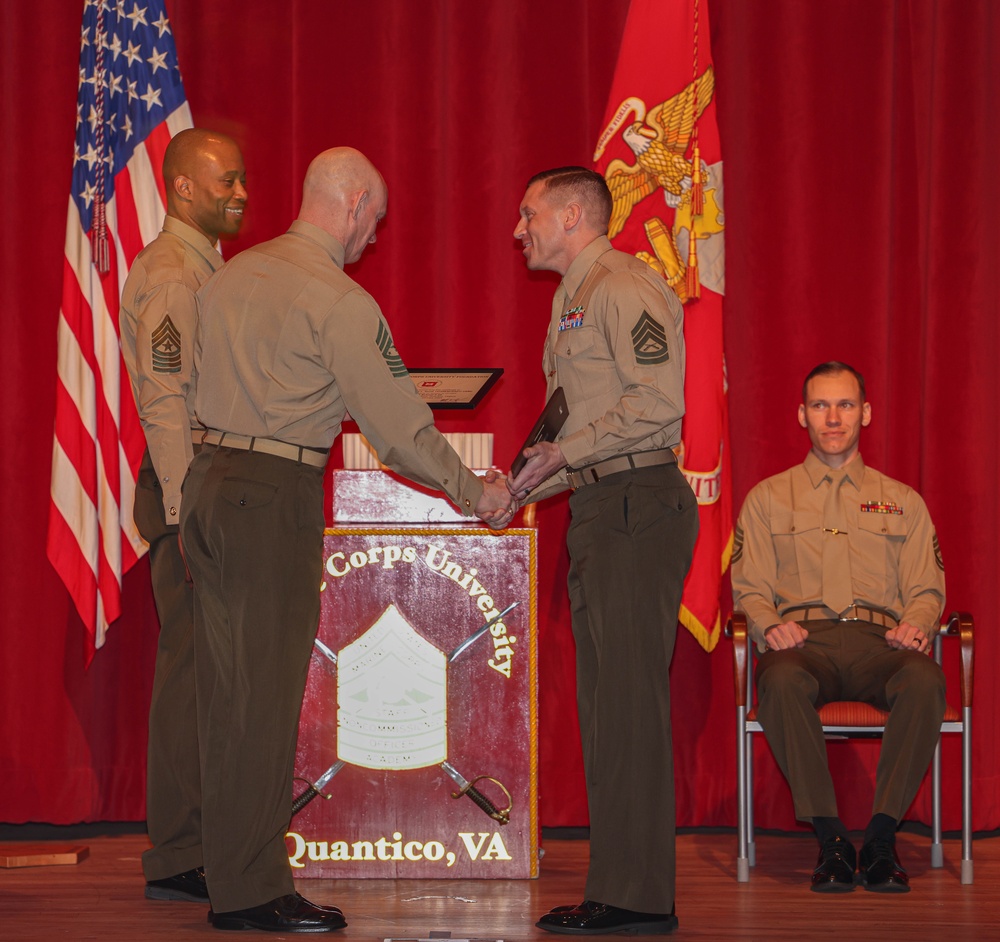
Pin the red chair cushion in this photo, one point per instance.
(856, 713)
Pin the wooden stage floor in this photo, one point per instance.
(101, 898)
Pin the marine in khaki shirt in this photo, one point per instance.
(893, 566)
(288, 343)
(294, 377)
(838, 570)
(159, 320)
(204, 177)
(615, 345)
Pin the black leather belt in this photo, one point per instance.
(602, 469)
(876, 616)
(268, 446)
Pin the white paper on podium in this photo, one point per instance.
(474, 448)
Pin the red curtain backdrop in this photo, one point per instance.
(861, 197)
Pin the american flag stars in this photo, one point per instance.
(129, 82)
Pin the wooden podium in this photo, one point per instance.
(422, 683)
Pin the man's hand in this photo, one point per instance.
(907, 638)
(789, 634)
(544, 459)
(496, 507)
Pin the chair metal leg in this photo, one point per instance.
(742, 862)
(937, 851)
(751, 843)
(967, 794)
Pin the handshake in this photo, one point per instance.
(502, 496)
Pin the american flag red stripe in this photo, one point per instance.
(156, 147)
(129, 236)
(131, 101)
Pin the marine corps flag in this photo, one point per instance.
(660, 153)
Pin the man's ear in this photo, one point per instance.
(183, 187)
(866, 414)
(572, 215)
(802, 417)
(357, 203)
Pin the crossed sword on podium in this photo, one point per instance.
(465, 787)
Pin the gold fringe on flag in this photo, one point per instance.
(693, 283)
(697, 182)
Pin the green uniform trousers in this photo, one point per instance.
(173, 774)
(252, 526)
(849, 661)
(630, 542)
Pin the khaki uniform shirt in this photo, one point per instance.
(895, 563)
(158, 319)
(290, 344)
(616, 346)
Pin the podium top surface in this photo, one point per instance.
(376, 496)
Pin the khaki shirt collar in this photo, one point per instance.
(322, 238)
(817, 471)
(195, 239)
(582, 264)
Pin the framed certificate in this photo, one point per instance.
(454, 389)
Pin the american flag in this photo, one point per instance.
(130, 103)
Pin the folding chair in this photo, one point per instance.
(853, 718)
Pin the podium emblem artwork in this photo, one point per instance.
(421, 690)
(392, 698)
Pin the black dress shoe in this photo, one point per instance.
(322, 906)
(289, 913)
(566, 909)
(590, 918)
(189, 886)
(880, 869)
(834, 871)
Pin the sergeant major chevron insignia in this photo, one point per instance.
(166, 347)
(393, 360)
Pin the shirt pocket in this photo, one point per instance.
(796, 536)
(875, 553)
(574, 342)
(582, 371)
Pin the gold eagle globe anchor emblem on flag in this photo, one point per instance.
(661, 156)
(659, 138)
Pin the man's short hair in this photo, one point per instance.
(585, 186)
(832, 368)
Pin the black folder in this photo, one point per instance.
(549, 423)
